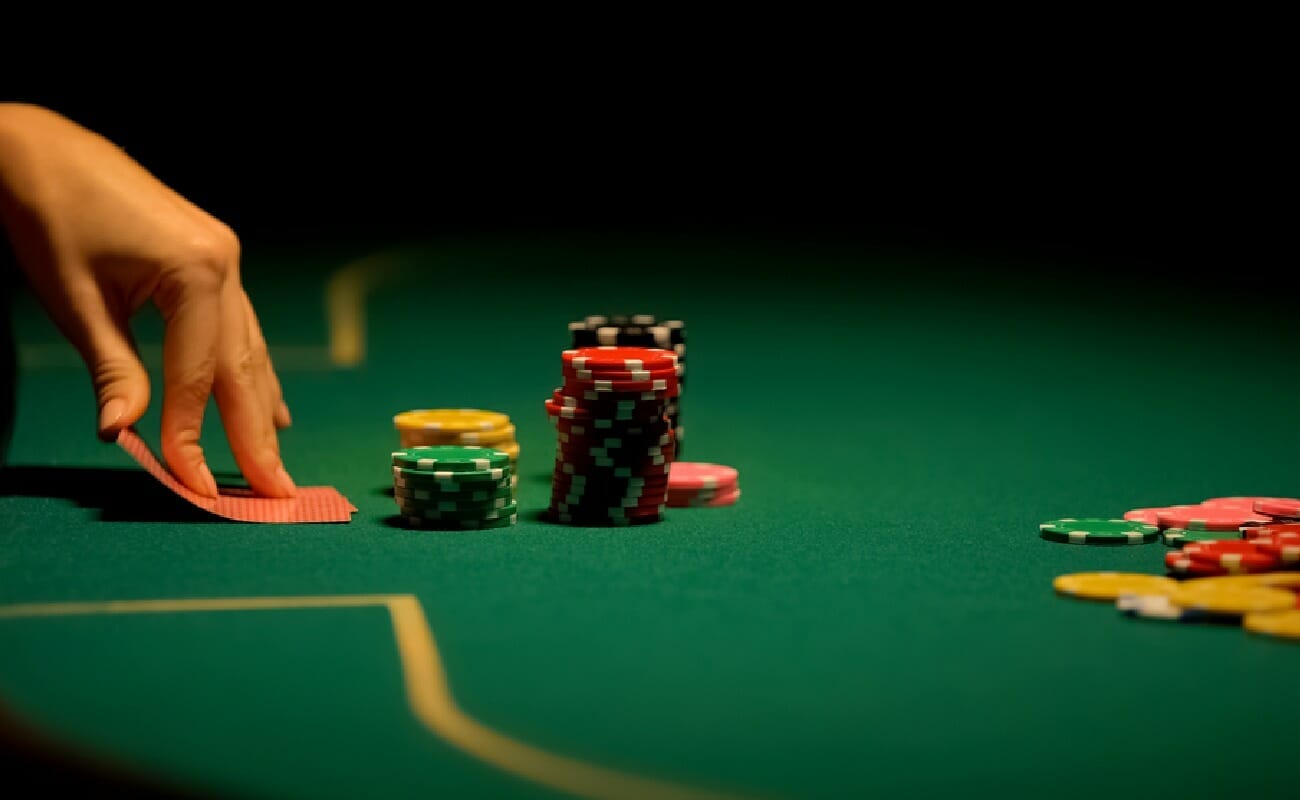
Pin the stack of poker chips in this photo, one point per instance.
(639, 330)
(453, 487)
(702, 484)
(615, 443)
(427, 427)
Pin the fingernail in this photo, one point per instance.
(284, 412)
(111, 413)
(286, 483)
(209, 482)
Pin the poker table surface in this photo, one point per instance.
(874, 616)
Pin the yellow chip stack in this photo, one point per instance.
(460, 426)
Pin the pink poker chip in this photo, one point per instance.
(1209, 518)
(1150, 516)
(1243, 503)
(688, 475)
(1278, 506)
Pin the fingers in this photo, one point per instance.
(121, 383)
(189, 298)
(270, 384)
(248, 397)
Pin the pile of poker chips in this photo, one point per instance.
(639, 330)
(1238, 558)
(454, 487)
(614, 442)
(427, 427)
(1209, 520)
(1264, 604)
(700, 484)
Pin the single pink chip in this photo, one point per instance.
(683, 475)
(1208, 518)
(1278, 506)
(1243, 503)
(311, 504)
(1150, 516)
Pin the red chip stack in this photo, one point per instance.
(615, 443)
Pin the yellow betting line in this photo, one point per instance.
(345, 305)
(427, 690)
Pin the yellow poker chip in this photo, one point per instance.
(422, 436)
(455, 420)
(1109, 586)
(1283, 625)
(1277, 580)
(1224, 598)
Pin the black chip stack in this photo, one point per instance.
(639, 330)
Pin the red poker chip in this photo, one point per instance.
(617, 472)
(1278, 506)
(657, 389)
(1178, 562)
(674, 373)
(1208, 518)
(1234, 555)
(618, 358)
(1243, 503)
(597, 501)
(1257, 531)
(1284, 546)
(614, 416)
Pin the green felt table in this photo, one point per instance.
(875, 616)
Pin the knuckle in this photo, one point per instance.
(192, 384)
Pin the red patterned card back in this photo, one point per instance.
(311, 504)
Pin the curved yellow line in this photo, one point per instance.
(345, 305)
(427, 691)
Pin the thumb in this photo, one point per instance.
(121, 383)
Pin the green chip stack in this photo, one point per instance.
(451, 487)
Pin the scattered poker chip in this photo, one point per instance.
(1234, 555)
(1110, 585)
(1097, 531)
(458, 420)
(1209, 518)
(1284, 546)
(1282, 625)
(1278, 506)
(1220, 598)
(1255, 531)
(1152, 606)
(1179, 563)
(1147, 515)
(1277, 580)
(450, 458)
(1177, 537)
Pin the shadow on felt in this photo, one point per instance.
(121, 495)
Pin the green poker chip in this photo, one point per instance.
(483, 514)
(462, 493)
(475, 480)
(450, 458)
(461, 525)
(490, 509)
(1177, 537)
(1098, 531)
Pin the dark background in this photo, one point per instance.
(1165, 174)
